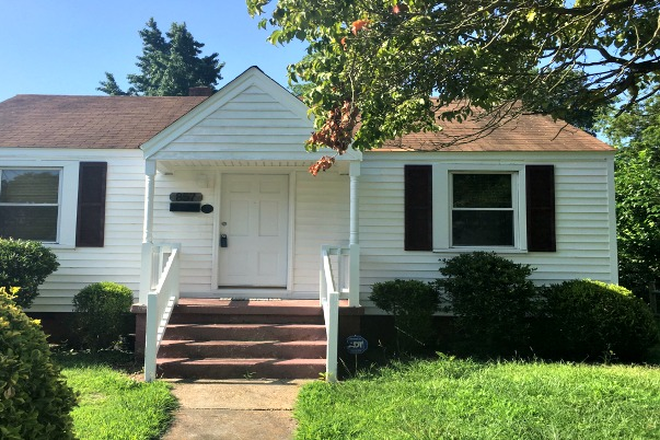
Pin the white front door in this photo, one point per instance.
(254, 224)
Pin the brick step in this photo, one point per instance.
(213, 368)
(208, 318)
(246, 332)
(259, 312)
(241, 349)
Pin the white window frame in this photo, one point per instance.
(442, 205)
(67, 197)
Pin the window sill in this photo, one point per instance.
(59, 246)
(467, 250)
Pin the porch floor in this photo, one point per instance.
(274, 306)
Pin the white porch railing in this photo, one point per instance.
(162, 297)
(338, 276)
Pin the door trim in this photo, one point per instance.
(253, 292)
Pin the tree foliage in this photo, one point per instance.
(636, 134)
(168, 66)
(380, 61)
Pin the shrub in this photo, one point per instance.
(492, 299)
(591, 319)
(412, 303)
(25, 264)
(101, 311)
(34, 401)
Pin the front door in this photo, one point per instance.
(254, 225)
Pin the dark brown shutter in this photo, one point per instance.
(91, 204)
(418, 207)
(541, 208)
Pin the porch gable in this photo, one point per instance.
(251, 118)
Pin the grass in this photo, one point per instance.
(464, 399)
(112, 404)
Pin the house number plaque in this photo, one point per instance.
(186, 197)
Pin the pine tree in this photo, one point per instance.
(168, 66)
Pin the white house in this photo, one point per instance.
(224, 179)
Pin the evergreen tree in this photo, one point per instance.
(168, 66)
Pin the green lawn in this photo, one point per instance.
(113, 405)
(464, 399)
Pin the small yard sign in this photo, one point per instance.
(356, 344)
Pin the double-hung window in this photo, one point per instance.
(30, 203)
(59, 203)
(483, 209)
(464, 207)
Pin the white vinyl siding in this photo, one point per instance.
(193, 230)
(321, 217)
(253, 120)
(586, 238)
(119, 259)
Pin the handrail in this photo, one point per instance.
(329, 299)
(160, 303)
(341, 281)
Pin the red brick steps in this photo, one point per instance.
(216, 339)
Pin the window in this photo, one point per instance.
(482, 210)
(45, 203)
(30, 203)
(476, 206)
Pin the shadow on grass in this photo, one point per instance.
(118, 360)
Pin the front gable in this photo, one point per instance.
(251, 118)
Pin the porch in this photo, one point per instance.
(227, 186)
(230, 338)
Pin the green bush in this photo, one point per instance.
(34, 401)
(101, 310)
(25, 264)
(412, 303)
(591, 319)
(492, 299)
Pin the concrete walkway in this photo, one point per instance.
(236, 409)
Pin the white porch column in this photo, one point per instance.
(354, 235)
(146, 266)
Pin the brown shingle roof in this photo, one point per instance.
(524, 133)
(50, 121)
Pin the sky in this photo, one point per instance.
(63, 47)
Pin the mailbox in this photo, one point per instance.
(185, 202)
